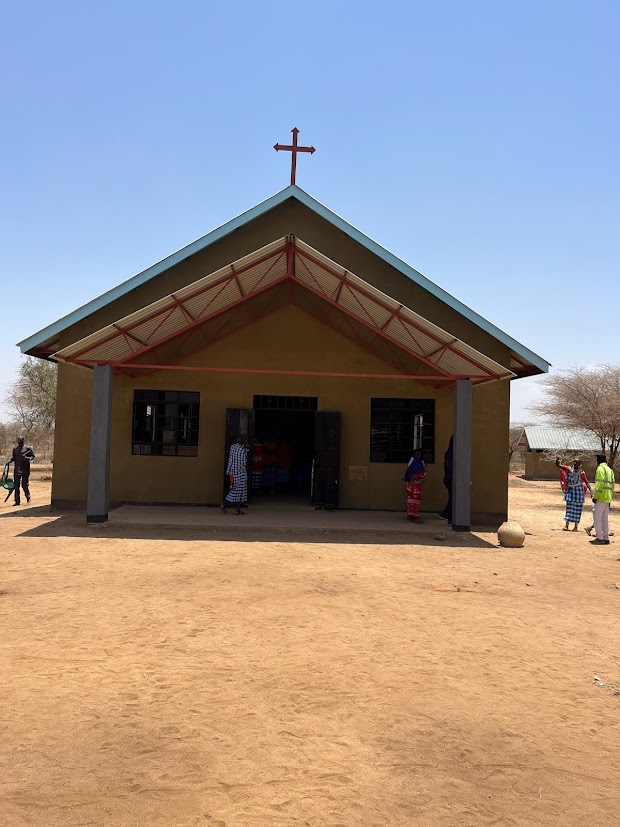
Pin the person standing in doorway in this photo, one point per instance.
(414, 477)
(604, 482)
(448, 465)
(574, 483)
(23, 455)
(238, 473)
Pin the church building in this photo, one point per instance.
(288, 323)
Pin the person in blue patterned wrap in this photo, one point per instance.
(238, 473)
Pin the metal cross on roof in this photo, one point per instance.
(294, 149)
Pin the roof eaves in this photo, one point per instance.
(155, 270)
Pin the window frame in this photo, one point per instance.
(173, 416)
(401, 419)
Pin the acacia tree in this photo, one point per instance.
(585, 398)
(32, 399)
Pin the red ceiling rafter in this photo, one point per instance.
(238, 283)
(277, 256)
(128, 335)
(290, 264)
(392, 316)
(398, 320)
(353, 292)
(310, 273)
(185, 339)
(353, 288)
(166, 316)
(441, 349)
(290, 255)
(407, 323)
(184, 309)
(336, 296)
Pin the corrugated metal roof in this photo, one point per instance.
(546, 438)
(527, 359)
(286, 258)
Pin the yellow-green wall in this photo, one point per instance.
(286, 340)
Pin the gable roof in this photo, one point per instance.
(546, 438)
(524, 356)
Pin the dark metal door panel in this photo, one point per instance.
(326, 485)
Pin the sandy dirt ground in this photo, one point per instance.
(155, 677)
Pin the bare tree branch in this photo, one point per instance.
(586, 399)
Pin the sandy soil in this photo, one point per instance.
(153, 677)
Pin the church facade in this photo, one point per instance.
(285, 322)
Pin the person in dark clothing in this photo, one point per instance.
(448, 462)
(23, 455)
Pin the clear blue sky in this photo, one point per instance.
(478, 141)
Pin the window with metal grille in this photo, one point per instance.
(398, 427)
(165, 423)
(285, 403)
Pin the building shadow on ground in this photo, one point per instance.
(19, 512)
(232, 530)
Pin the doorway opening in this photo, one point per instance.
(283, 451)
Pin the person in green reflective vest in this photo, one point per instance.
(604, 481)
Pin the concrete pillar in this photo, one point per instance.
(100, 431)
(461, 475)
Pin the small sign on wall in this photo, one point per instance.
(358, 472)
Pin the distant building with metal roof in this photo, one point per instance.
(539, 445)
(545, 438)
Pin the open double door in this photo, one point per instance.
(326, 479)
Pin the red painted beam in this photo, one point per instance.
(260, 371)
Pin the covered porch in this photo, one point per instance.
(265, 520)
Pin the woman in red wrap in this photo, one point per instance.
(414, 477)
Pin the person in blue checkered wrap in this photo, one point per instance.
(238, 473)
(574, 483)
